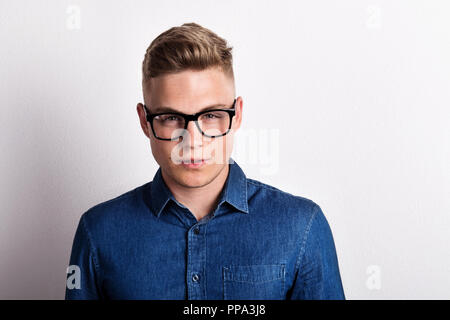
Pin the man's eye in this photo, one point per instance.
(169, 118)
(212, 115)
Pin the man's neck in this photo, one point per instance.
(202, 200)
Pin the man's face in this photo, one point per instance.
(190, 92)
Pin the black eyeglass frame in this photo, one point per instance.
(190, 117)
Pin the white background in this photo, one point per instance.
(357, 92)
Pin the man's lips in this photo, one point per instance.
(193, 161)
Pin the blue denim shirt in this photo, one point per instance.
(259, 243)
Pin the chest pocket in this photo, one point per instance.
(254, 282)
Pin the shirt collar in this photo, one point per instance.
(234, 191)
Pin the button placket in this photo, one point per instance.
(196, 263)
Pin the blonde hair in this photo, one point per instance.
(189, 46)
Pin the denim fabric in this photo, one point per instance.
(259, 243)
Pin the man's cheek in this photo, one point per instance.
(215, 150)
(175, 153)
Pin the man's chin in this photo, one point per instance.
(190, 181)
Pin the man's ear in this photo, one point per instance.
(238, 114)
(142, 119)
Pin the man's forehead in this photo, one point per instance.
(185, 95)
(191, 79)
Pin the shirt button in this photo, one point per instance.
(196, 230)
(195, 277)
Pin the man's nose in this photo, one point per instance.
(195, 137)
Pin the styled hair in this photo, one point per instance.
(189, 46)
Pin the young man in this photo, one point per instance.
(200, 229)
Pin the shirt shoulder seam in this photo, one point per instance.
(305, 238)
(91, 246)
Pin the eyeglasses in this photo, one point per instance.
(171, 125)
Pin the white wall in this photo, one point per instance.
(362, 93)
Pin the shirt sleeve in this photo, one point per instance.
(317, 276)
(82, 282)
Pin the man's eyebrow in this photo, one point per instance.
(160, 109)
